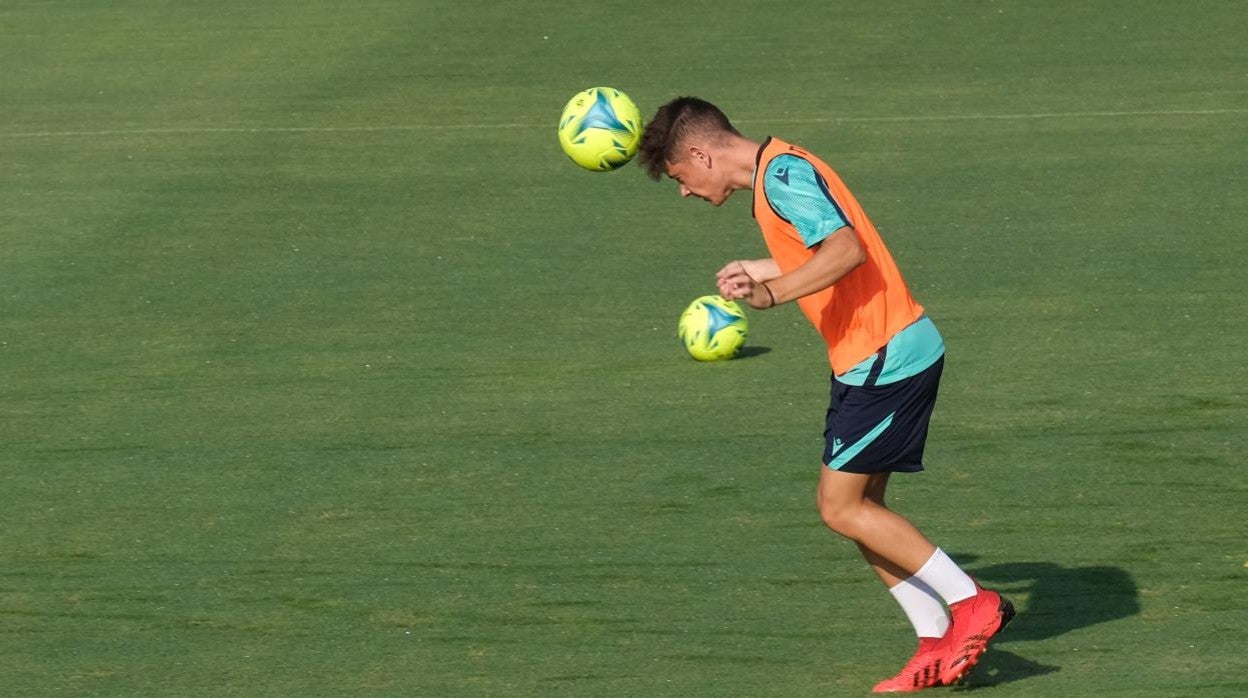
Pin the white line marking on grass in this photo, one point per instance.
(192, 130)
(1000, 117)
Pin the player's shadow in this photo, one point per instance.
(1059, 600)
(750, 351)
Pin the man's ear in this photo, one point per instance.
(699, 155)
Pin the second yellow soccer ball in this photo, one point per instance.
(600, 129)
(712, 329)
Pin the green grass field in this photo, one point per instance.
(326, 374)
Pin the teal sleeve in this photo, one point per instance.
(798, 194)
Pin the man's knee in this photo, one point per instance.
(842, 517)
(842, 499)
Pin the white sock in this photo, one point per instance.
(943, 576)
(922, 606)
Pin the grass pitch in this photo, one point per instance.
(327, 374)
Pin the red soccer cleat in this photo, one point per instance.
(922, 671)
(974, 621)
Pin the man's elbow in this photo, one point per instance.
(857, 253)
(860, 256)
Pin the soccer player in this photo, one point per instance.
(886, 357)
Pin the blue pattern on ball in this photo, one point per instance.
(718, 319)
(601, 115)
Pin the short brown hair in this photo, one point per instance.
(672, 123)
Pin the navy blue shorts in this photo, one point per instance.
(878, 428)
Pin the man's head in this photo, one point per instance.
(690, 140)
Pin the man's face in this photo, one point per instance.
(697, 177)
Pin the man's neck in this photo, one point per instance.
(740, 156)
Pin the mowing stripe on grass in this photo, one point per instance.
(461, 127)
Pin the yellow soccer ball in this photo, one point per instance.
(600, 129)
(712, 328)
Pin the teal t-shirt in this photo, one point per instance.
(910, 351)
(797, 193)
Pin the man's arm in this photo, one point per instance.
(838, 254)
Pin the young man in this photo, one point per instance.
(886, 357)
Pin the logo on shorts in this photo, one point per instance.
(836, 445)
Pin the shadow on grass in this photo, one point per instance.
(1060, 599)
(749, 352)
(999, 667)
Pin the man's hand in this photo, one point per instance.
(739, 278)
